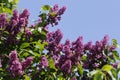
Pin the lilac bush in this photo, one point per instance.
(32, 52)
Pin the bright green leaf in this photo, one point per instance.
(31, 52)
(90, 74)
(27, 77)
(46, 7)
(84, 57)
(51, 64)
(80, 69)
(24, 45)
(10, 1)
(15, 1)
(98, 76)
(107, 67)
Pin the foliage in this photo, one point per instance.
(34, 53)
(8, 5)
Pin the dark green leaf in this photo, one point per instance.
(116, 55)
(43, 16)
(114, 73)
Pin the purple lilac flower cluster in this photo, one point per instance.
(54, 38)
(16, 68)
(43, 63)
(55, 14)
(14, 25)
(71, 55)
(72, 52)
(3, 20)
(96, 54)
(26, 63)
(18, 21)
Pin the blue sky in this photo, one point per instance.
(91, 19)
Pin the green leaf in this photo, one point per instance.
(7, 10)
(51, 64)
(98, 76)
(84, 57)
(10, 1)
(61, 78)
(116, 55)
(111, 75)
(24, 45)
(115, 43)
(80, 69)
(107, 67)
(27, 77)
(15, 1)
(39, 46)
(90, 74)
(53, 14)
(43, 35)
(43, 16)
(37, 54)
(31, 52)
(114, 73)
(46, 7)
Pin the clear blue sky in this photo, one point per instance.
(91, 19)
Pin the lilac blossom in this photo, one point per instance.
(43, 62)
(62, 10)
(53, 39)
(66, 66)
(25, 13)
(17, 22)
(96, 54)
(78, 45)
(115, 65)
(67, 48)
(15, 18)
(55, 8)
(105, 40)
(88, 46)
(26, 63)
(3, 20)
(28, 32)
(53, 19)
(15, 67)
